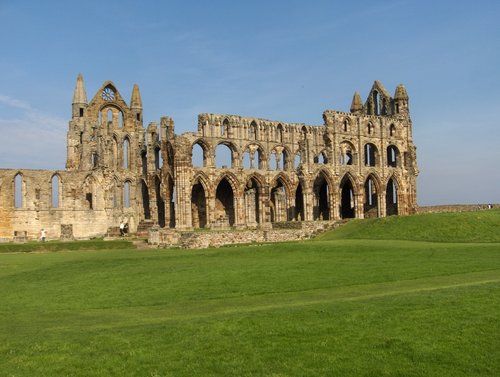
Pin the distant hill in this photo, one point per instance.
(478, 226)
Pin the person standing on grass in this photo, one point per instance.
(42, 235)
(122, 229)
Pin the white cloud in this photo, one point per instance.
(33, 139)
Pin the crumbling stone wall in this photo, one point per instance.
(358, 164)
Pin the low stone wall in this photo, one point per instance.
(457, 208)
(216, 238)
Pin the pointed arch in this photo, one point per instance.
(371, 196)
(252, 194)
(371, 154)
(347, 153)
(160, 203)
(19, 190)
(225, 155)
(393, 159)
(55, 190)
(391, 196)
(299, 211)
(171, 195)
(279, 133)
(225, 202)
(126, 152)
(145, 200)
(347, 197)
(126, 194)
(322, 188)
(90, 190)
(279, 200)
(253, 131)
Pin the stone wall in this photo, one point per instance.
(457, 208)
(203, 239)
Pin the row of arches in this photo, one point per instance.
(280, 158)
(371, 129)
(253, 131)
(280, 202)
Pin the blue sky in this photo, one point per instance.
(280, 60)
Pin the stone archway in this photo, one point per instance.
(160, 203)
(321, 209)
(224, 204)
(252, 202)
(370, 207)
(278, 202)
(391, 198)
(145, 200)
(198, 206)
(299, 203)
(347, 202)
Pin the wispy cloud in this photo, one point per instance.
(33, 138)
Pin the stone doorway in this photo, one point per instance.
(224, 204)
(347, 203)
(198, 206)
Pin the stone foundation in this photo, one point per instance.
(280, 232)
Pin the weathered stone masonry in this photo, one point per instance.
(359, 164)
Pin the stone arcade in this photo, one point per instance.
(358, 164)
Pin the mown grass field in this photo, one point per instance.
(390, 297)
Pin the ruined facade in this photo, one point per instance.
(358, 164)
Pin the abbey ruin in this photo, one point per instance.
(358, 164)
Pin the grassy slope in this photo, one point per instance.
(333, 307)
(481, 226)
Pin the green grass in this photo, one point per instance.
(331, 307)
(479, 226)
(35, 246)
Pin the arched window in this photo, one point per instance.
(198, 156)
(144, 162)
(55, 191)
(279, 133)
(346, 125)
(252, 131)
(392, 130)
(224, 128)
(126, 154)
(126, 194)
(120, 124)
(370, 155)
(376, 103)
(95, 160)
(109, 117)
(296, 161)
(370, 128)
(18, 191)
(223, 156)
(392, 156)
(246, 163)
(158, 159)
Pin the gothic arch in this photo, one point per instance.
(225, 208)
(253, 203)
(279, 200)
(322, 189)
(55, 190)
(347, 153)
(372, 192)
(392, 196)
(235, 152)
(160, 202)
(232, 180)
(347, 191)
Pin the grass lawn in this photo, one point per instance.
(355, 302)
